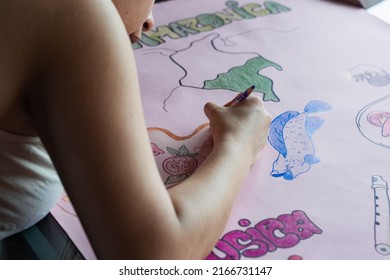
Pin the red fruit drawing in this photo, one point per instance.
(180, 165)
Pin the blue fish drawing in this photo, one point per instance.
(290, 134)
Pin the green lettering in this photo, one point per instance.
(256, 10)
(228, 16)
(182, 30)
(194, 24)
(210, 20)
(240, 11)
(275, 8)
(158, 34)
(136, 46)
(148, 41)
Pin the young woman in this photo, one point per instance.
(71, 115)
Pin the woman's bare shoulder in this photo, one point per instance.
(40, 36)
(39, 23)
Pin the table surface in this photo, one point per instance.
(47, 240)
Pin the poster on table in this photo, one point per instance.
(321, 187)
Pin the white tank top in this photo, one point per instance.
(29, 183)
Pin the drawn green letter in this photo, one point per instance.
(240, 11)
(256, 10)
(194, 24)
(159, 33)
(210, 20)
(275, 8)
(182, 30)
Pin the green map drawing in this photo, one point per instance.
(220, 69)
(209, 69)
(240, 77)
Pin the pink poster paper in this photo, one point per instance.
(320, 189)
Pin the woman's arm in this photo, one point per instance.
(88, 112)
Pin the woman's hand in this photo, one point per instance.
(243, 125)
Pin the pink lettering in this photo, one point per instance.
(266, 236)
(263, 245)
(272, 229)
(298, 223)
(242, 241)
(227, 249)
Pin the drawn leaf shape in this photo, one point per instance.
(183, 151)
(175, 179)
(173, 151)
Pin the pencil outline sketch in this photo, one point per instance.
(66, 205)
(180, 162)
(382, 215)
(373, 122)
(373, 75)
(235, 79)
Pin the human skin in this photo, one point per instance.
(69, 76)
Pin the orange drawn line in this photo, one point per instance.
(66, 211)
(176, 137)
